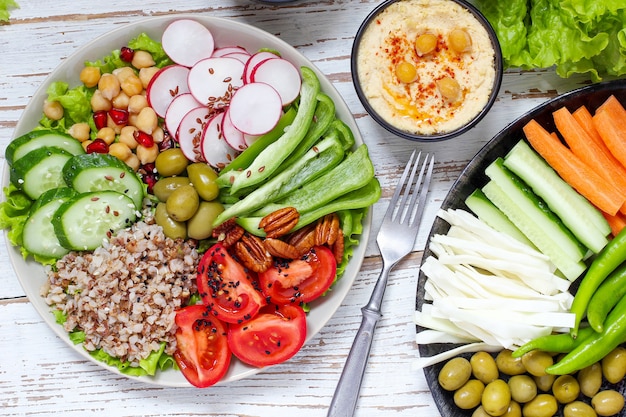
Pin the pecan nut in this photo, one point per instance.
(303, 239)
(280, 222)
(281, 249)
(327, 229)
(228, 233)
(338, 247)
(252, 253)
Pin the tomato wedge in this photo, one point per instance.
(300, 280)
(202, 351)
(226, 287)
(276, 334)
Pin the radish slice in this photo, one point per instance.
(165, 85)
(178, 108)
(177, 38)
(255, 108)
(242, 56)
(225, 50)
(250, 139)
(190, 132)
(234, 137)
(255, 60)
(280, 74)
(215, 150)
(212, 81)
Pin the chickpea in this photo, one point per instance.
(425, 44)
(136, 103)
(608, 402)
(100, 102)
(146, 74)
(460, 41)
(53, 110)
(120, 150)
(109, 86)
(80, 131)
(158, 135)
(111, 123)
(90, 76)
(122, 73)
(406, 72)
(86, 143)
(133, 162)
(147, 155)
(107, 134)
(132, 85)
(449, 88)
(614, 365)
(127, 137)
(142, 59)
(147, 120)
(121, 100)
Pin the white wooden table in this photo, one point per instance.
(40, 375)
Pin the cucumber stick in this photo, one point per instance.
(100, 172)
(39, 138)
(493, 216)
(40, 170)
(532, 216)
(86, 220)
(581, 217)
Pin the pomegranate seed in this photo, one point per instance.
(127, 54)
(149, 167)
(98, 146)
(119, 116)
(100, 119)
(166, 143)
(143, 138)
(150, 180)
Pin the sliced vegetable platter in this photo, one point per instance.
(474, 177)
(31, 274)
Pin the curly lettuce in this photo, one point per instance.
(5, 5)
(574, 36)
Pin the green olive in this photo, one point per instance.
(608, 402)
(536, 362)
(565, 389)
(523, 388)
(509, 365)
(514, 410)
(484, 367)
(183, 203)
(166, 186)
(203, 178)
(614, 365)
(171, 228)
(480, 412)
(590, 379)
(578, 409)
(200, 226)
(496, 397)
(469, 395)
(455, 373)
(543, 405)
(544, 382)
(171, 162)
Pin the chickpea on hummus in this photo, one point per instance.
(426, 66)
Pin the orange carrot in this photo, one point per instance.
(610, 122)
(617, 222)
(574, 171)
(585, 119)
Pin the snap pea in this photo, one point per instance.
(605, 297)
(556, 343)
(597, 345)
(613, 254)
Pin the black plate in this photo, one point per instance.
(473, 176)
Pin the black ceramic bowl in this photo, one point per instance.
(472, 177)
(417, 133)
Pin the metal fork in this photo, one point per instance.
(395, 240)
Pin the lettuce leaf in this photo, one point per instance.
(143, 42)
(5, 5)
(14, 212)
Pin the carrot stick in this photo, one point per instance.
(617, 222)
(575, 172)
(585, 119)
(610, 122)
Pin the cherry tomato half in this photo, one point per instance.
(300, 280)
(202, 352)
(276, 334)
(226, 287)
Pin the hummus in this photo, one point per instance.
(433, 90)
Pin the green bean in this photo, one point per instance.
(605, 297)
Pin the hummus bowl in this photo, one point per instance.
(426, 70)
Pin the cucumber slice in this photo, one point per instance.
(39, 138)
(531, 215)
(39, 237)
(579, 215)
(40, 170)
(100, 172)
(86, 220)
(486, 211)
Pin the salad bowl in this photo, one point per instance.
(32, 275)
(473, 176)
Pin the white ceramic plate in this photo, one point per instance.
(31, 274)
